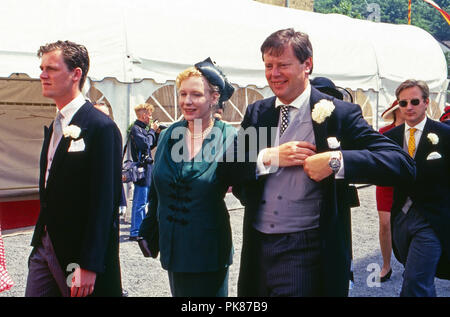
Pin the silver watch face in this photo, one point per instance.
(335, 164)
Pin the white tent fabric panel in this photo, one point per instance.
(28, 24)
(231, 32)
(117, 95)
(133, 40)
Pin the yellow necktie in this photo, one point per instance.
(411, 142)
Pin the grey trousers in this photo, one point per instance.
(45, 276)
(420, 250)
(288, 264)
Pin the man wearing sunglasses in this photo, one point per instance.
(420, 215)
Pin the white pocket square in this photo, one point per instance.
(333, 143)
(77, 146)
(433, 156)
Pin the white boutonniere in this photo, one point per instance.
(322, 110)
(433, 156)
(434, 139)
(72, 131)
(333, 143)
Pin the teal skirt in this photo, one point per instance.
(203, 284)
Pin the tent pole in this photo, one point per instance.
(128, 105)
(127, 188)
(378, 101)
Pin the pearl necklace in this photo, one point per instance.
(204, 133)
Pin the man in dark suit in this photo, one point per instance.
(296, 196)
(420, 215)
(76, 238)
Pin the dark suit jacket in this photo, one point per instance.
(79, 205)
(369, 157)
(142, 141)
(431, 191)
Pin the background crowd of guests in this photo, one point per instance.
(294, 184)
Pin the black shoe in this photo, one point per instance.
(386, 277)
(134, 238)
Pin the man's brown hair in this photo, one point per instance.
(74, 55)
(276, 42)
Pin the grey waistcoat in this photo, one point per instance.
(291, 201)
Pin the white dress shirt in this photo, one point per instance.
(67, 112)
(417, 135)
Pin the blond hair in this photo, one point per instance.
(144, 107)
(193, 72)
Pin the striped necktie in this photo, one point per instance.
(411, 142)
(57, 130)
(284, 118)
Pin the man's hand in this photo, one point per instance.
(83, 282)
(317, 167)
(155, 125)
(292, 153)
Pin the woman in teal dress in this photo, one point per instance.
(187, 219)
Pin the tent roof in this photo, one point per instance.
(134, 40)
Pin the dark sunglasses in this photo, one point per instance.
(404, 103)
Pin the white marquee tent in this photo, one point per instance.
(137, 47)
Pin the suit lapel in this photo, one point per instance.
(398, 135)
(44, 156)
(320, 130)
(46, 144)
(63, 146)
(424, 145)
(268, 117)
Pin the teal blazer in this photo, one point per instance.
(186, 200)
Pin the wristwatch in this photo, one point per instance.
(335, 161)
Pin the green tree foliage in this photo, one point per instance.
(423, 15)
(344, 7)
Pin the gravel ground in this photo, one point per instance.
(144, 277)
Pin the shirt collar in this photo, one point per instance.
(420, 126)
(140, 123)
(69, 110)
(298, 102)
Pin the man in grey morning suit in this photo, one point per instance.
(296, 196)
